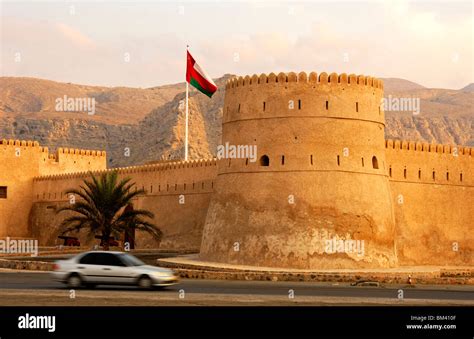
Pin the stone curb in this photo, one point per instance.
(451, 276)
(31, 265)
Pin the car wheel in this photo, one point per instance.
(74, 281)
(145, 283)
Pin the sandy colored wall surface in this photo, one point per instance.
(320, 134)
(20, 162)
(434, 212)
(166, 186)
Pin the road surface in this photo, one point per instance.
(37, 288)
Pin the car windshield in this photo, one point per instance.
(130, 260)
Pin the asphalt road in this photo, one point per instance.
(42, 281)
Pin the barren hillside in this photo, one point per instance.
(140, 125)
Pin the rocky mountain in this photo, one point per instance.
(445, 116)
(139, 125)
(28, 111)
(468, 88)
(397, 84)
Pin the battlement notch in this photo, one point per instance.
(426, 147)
(303, 77)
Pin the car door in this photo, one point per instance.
(88, 267)
(113, 270)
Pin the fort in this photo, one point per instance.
(324, 172)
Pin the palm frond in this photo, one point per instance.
(101, 207)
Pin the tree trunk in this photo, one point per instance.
(105, 242)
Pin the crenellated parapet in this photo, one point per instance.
(428, 147)
(21, 143)
(45, 150)
(304, 78)
(76, 151)
(291, 95)
(31, 159)
(168, 166)
(429, 163)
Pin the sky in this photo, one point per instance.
(143, 44)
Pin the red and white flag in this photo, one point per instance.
(196, 76)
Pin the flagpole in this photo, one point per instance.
(186, 133)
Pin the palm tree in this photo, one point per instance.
(103, 208)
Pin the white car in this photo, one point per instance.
(110, 268)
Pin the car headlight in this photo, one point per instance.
(163, 274)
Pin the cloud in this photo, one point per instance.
(74, 36)
(396, 39)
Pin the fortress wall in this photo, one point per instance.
(164, 183)
(309, 145)
(19, 162)
(286, 116)
(433, 194)
(22, 160)
(323, 95)
(71, 160)
(320, 135)
(271, 231)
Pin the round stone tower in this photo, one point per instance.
(317, 194)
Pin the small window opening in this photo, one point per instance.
(375, 163)
(3, 192)
(264, 160)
